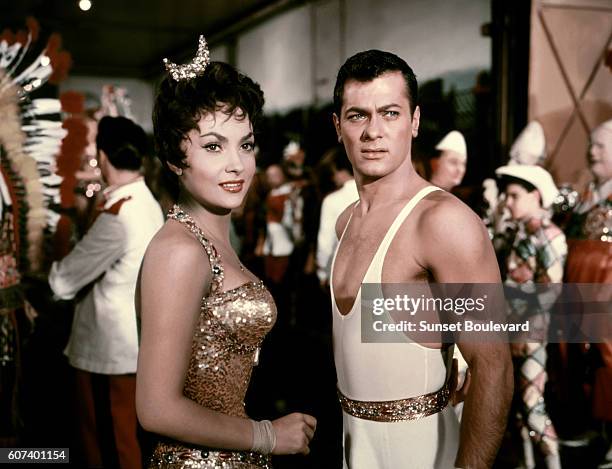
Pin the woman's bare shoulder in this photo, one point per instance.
(175, 253)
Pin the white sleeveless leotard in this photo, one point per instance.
(391, 371)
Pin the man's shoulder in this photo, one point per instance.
(115, 207)
(444, 218)
(135, 207)
(443, 210)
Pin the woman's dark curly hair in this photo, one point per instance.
(179, 106)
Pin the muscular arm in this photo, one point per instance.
(465, 255)
(174, 277)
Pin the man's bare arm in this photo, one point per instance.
(465, 255)
(485, 411)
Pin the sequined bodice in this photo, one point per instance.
(231, 326)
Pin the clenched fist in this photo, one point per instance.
(293, 433)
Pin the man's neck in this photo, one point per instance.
(401, 184)
(121, 178)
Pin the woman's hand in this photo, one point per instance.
(293, 433)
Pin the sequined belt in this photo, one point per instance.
(412, 408)
(209, 459)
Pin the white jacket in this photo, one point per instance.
(104, 335)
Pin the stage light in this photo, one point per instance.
(84, 5)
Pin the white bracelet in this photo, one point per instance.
(264, 437)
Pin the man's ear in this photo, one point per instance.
(416, 119)
(102, 158)
(337, 126)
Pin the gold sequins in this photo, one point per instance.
(412, 408)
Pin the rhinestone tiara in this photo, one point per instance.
(192, 69)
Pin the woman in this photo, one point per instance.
(203, 315)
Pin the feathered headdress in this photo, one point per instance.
(31, 133)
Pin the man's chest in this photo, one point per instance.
(368, 248)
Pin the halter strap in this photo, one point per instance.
(216, 267)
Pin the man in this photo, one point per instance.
(536, 255)
(448, 167)
(277, 243)
(376, 116)
(103, 344)
(331, 208)
(590, 258)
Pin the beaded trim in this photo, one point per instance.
(178, 214)
(209, 459)
(412, 408)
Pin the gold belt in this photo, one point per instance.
(411, 408)
(208, 459)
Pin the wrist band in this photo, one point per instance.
(264, 437)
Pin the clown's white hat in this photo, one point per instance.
(535, 175)
(453, 141)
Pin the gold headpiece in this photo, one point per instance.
(192, 69)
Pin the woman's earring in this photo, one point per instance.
(179, 171)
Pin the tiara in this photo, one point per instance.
(194, 68)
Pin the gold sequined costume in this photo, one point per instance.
(230, 329)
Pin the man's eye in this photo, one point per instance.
(391, 113)
(355, 117)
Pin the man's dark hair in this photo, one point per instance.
(179, 106)
(123, 141)
(368, 65)
(505, 181)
